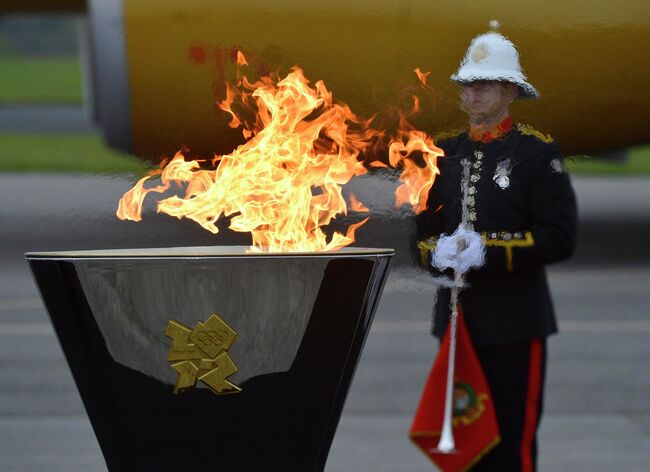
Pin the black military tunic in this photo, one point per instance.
(520, 199)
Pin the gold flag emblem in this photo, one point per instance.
(202, 353)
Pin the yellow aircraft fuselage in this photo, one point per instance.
(588, 59)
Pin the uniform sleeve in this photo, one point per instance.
(552, 236)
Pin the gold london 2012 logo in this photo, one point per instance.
(202, 354)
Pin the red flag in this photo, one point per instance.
(475, 428)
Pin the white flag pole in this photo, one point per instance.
(446, 443)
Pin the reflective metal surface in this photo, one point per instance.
(132, 302)
(301, 321)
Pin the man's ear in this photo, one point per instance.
(512, 91)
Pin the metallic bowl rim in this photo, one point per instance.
(200, 252)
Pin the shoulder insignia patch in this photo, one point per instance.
(557, 166)
(447, 134)
(530, 131)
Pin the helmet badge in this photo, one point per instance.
(480, 53)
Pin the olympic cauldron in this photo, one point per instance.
(212, 358)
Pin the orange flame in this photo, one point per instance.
(241, 59)
(226, 105)
(416, 105)
(416, 180)
(356, 205)
(422, 76)
(378, 164)
(282, 185)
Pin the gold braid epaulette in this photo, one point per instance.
(454, 133)
(530, 131)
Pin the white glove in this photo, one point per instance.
(461, 251)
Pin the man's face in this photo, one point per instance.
(486, 100)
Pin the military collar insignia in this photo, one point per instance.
(497, 132)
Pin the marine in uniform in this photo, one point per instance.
(519, 198)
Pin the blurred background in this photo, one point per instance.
(59, 187)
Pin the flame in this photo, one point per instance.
(356, 205)
(283, 184)
(416, 180)
(241, 59)
(226, 105)
(416, 105)
(378, 164)
(130, 205)
(422, 76)
(403, 152)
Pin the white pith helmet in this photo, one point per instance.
(493, 57)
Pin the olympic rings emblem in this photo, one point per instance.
(212, 338)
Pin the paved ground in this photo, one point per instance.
(598, 418)
(45, 119)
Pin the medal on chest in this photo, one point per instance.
(501, 175)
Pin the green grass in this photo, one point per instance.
(637, 163)
(46, 80)
(63, 153)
